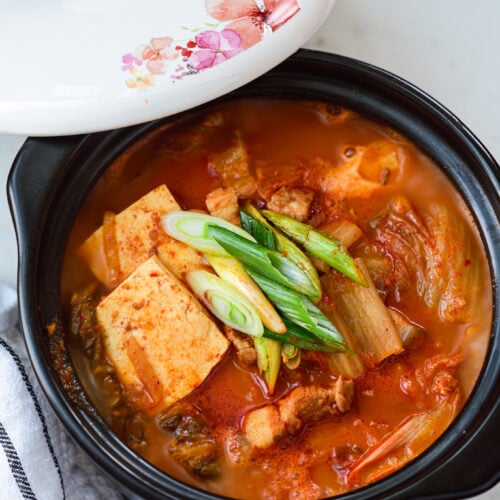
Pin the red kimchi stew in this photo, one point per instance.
(276, 299)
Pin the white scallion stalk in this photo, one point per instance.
(268, 360)
(232, 271)
(272, 372)
(192, 228)
(260, 259)
(262, 352)
(225, 302)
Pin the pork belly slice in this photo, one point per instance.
(159, 338)
(139, 235)
(273, 176)
(223, 203)
(304, 404)
(243, 344)
(313, 403)
(294, 202)
(232, 167)
(263, 427)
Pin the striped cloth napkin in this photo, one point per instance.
(38, 460)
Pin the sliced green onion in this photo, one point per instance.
(233, 272)
(261, 231)
(291, 356)
(192, 229)
(321, 245)
(287, 247)
(271, 374)
(301, 338)
(225, 302)
(300, 310)
(268, 360)
(289, 350)
(298, 331)
(262, 260)
(306, 345)
(292, 272)
(262, 354)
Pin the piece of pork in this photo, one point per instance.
(438, 376)
(245, 186)
(273, 176)
(293, 202)
(344, 394)
(245, 350)
(312, 403)
(265, 426)
(223, 203)
(232, 167)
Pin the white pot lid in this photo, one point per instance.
(78, 66)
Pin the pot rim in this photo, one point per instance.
(92, 434)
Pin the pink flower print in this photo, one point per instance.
(215, 48)
(157, 54)
(129, 60)
(138, 80)
(250, 21)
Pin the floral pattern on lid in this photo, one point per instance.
(238, 25)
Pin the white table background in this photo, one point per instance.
(449, 48)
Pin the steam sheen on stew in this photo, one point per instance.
(188, 393)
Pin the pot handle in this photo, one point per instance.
(32, 177)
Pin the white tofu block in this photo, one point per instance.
(139, 235)
(177, 341)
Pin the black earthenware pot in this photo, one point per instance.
(51, 177)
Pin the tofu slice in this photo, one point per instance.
(139, 235)
(176, 339)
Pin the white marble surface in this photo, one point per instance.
(449, 48)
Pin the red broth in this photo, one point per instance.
(318, 460)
